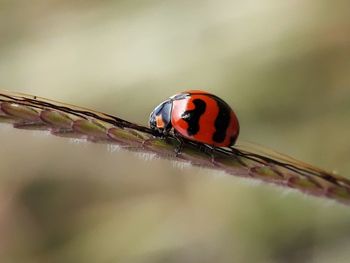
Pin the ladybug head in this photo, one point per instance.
(160, 118)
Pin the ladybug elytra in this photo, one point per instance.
(198, 116)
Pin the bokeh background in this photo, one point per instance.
(284, 66)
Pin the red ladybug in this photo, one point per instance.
(198, 116)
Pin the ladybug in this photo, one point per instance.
(198, 116)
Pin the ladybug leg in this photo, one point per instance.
(210, 150)
(180, 146)
(212, 154)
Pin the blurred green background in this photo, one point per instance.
(284, 66)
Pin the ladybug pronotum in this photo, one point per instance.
(198, 116)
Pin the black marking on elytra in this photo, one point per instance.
(233, 140)
(192, 116)
(222, 121)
